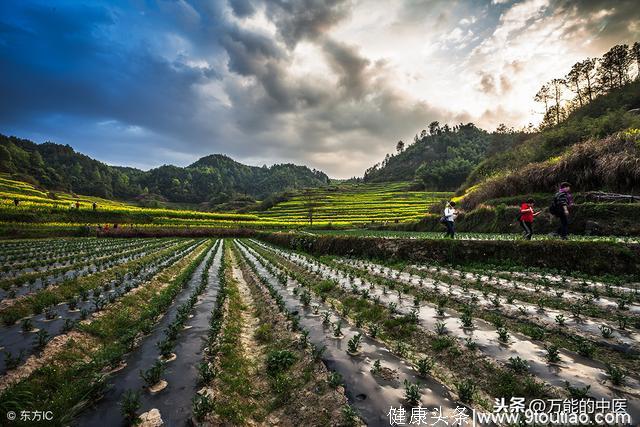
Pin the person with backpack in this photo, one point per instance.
(526, 217)
(562, 201)
(448, 219)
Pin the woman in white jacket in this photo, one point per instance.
(449, 217)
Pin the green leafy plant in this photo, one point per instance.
(153, 375)
(606, 331)
(466, 389)
(129, 406)
(553, 353)
(334, 379)
(353, 345)
(377, 367)
(424, 366)
(412, 393)
(519, 365)
(616, 374)
(279, 361)
(202, 405)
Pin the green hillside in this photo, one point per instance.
(213, 179)
(595, 148)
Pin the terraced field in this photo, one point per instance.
(355, 204)
(343, 205)
(239, 332)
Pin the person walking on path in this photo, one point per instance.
(562, 201)
(449, 217)
(526, 217)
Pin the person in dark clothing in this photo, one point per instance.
(94, 206)
(16, 202)
(526, 218)
(562, 201)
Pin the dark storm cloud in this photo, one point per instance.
(612, 27)
(305, 19)
(242, 8)
(176, 79)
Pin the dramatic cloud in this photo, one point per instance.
(333, 84)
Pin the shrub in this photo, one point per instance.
(279, 361)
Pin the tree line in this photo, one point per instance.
(587, 80)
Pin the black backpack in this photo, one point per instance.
(555, 209)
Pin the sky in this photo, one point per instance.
(331, 84)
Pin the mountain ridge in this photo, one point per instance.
(214, 179)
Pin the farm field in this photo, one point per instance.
(240, 332)
(342, 205)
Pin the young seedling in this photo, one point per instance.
(41, 340)
(337, 329)
(560, 320)
(518, 365)
(412, 393)
(616, 375)
(553, 353)
(424, 366)
(202, 405)
(129, 405)
(303, 341)
(585, 348)
(67, 326)
(503, 335)
(153, 375)
(441, 328)
(350, 416)
(606, 331)
(470, 344)
(353, 345)
(466, 388)
(326, 318)
(27, 325)
(577, 392)
(334, 379)
(377, 367)
(622, 321)
(374, 328)
(165, 347)
(206, 373)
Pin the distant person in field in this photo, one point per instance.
(77, 205)
(526, 217)
(448, 219)
(16, 202)
(94, 206)
(562, 201)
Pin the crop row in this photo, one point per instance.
(492, 339)
(98, 347)
(81, 287)
(60, 319)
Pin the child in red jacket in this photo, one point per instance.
(526, 217)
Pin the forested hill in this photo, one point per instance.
(214, 178)
(442, 157)
(596, 99)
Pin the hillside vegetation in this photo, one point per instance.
(214, 179)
